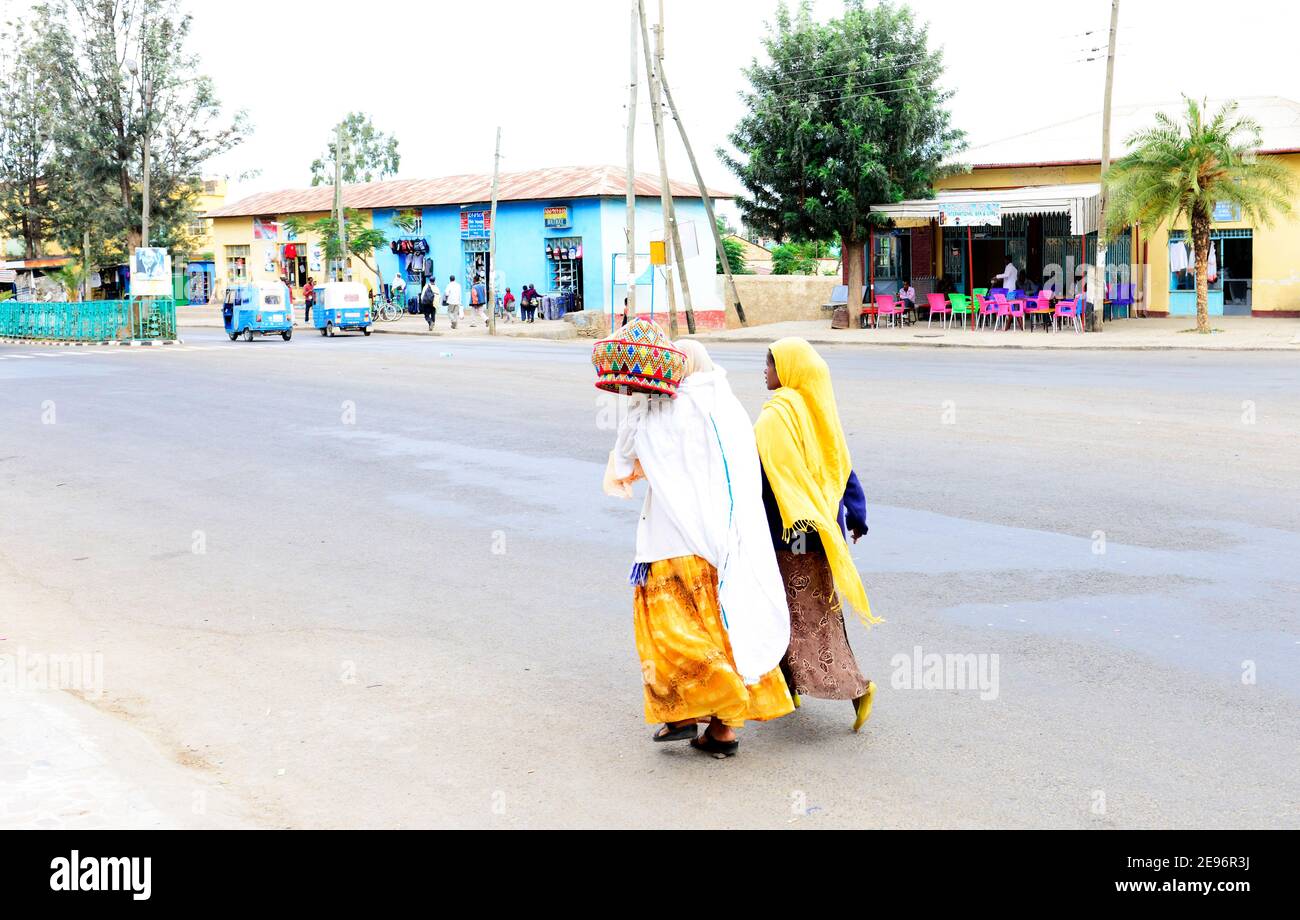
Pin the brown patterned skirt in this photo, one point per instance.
(819, 662)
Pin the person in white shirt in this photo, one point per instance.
(451, 297)
(1009, 275)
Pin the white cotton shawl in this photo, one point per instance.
(705, 499)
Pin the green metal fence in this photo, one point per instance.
(89, 321)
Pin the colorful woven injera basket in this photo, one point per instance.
(638, 357)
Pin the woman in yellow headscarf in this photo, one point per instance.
(812, 495)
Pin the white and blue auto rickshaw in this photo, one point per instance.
(341, 306)
(257, 309)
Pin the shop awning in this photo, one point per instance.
(1080, 201)
(26, 265)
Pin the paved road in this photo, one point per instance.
(367, 582)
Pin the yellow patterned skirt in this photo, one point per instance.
(686, 662)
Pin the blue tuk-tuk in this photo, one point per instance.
(341, 306)
(257, 309)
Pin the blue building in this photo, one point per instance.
(562, 230)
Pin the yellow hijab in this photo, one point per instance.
(807, 462)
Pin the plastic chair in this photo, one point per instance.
(987, 310)
(886, 308)
(939, 306)
(1041, 306)
(983, 292)
(959, 305)
(1121, 297)
(1070, 310)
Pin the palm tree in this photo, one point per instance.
(1181, 170)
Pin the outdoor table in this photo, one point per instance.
(1045, 312)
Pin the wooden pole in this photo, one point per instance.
(342, 221)
(672, 237)
(631, 173)
(708, 202)
(1099, 296)
(492, 241)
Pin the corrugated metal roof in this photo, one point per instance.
(1078, 141)
(537, 184)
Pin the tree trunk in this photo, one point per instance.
(851, 250)
(1201, 247)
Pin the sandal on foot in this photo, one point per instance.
(862, 706)
(711, 745)
(685, 732)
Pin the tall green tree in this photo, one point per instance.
(368, 154)
(362, 240)
(1179, 170)
(84, 53)
(841, 116)
(27, 150)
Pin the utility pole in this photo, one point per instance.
(147, 91)
(631, 175)
(704, 195)
(672, 237)
(1097, 291)
(85, 265)
(341, 221)
(492, 242)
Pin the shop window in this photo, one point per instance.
(237, 262)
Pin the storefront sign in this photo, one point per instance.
(8, 276)
(556, 217)
(971, 214)
(475, 224)
(317, 258)
(265, 229)
(1226, 212)
(151, 272)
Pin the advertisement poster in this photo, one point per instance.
(316, 258)
(475, 224)
(151, 272)
(556, 217)
(265, 229)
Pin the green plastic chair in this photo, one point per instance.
(961, 305)
(983, 292)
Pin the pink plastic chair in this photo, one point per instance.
(1009, 311)
(939, 307)
(1069, 310)
(1042, 306)
(988, 310)
(887, 309)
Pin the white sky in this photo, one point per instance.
(554, 75)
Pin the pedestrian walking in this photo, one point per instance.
(811, 494)
(528, 303)
(308, 298)
(429, 297)
(477, 299)
(508, 305)
(701, 549)
(451, 297)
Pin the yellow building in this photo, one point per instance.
(1034, 197)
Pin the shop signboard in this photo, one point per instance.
(1226, 212)
(475, 225)
(556, 218)
(8, 276)
(151, 272)
(970, 214)
(265, 229)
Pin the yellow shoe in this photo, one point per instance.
(862, 705)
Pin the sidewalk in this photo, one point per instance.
(1235, 333)
(66, 764)
(209, 317)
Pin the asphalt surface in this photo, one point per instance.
(374, 582)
